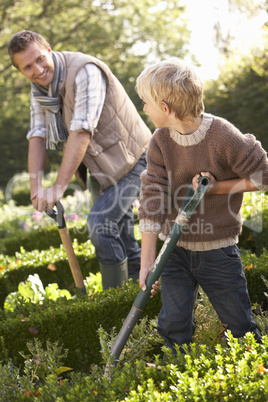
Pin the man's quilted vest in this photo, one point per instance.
(121, 136)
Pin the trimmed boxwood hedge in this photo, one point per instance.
(253, 240)
(41, 239)
(255, 268)
(74, 322)
(62, 276)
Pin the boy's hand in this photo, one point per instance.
(155, 288)
(212, 184)
(143, 275)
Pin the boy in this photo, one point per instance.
(188, 141)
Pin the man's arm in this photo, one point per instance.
(37, 156)
(74, 153)
(90, 91)
(75, 149)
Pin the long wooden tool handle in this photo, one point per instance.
(74, 265)
(58, 216)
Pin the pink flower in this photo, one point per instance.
(136, 203)
(72, 217)
(25, 226)
(37, 216)
(75, 217)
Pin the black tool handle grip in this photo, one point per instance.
(58, 215)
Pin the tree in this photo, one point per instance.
(240, 92)
(239, 13)
(123, 33)
(240, 95)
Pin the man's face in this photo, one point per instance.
(36, 63)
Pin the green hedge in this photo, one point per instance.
(41, 239)
(17, 269)
(44, 238)
(74, 322)
(234, 372)
(255, 240)
(256, 267)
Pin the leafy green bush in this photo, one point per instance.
(254, 236)
(253, 240)
(14, 270)
(42, 238)
(75, 322)
(236, 372)
(51, 265)
(33, 290)
(255, 268)
(212, 371)
(86, 326)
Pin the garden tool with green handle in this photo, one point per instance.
(58, 216)
(190, 203)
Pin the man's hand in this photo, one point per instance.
(45, 198)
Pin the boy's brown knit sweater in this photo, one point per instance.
(174, 159)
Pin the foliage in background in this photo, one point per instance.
(126, 35)
(19, 226)
(240, 95)
(254, 211)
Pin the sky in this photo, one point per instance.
(202, 16)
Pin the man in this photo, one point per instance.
(77, 102)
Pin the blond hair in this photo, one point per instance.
(175, 83)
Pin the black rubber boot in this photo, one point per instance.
(114, 275)
(133, 272)
(257, 335)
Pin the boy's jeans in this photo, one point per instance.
(221, 275)
(111, 220)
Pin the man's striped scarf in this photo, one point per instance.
(50, 99)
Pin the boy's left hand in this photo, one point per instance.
(155, 288)
(212, 179)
